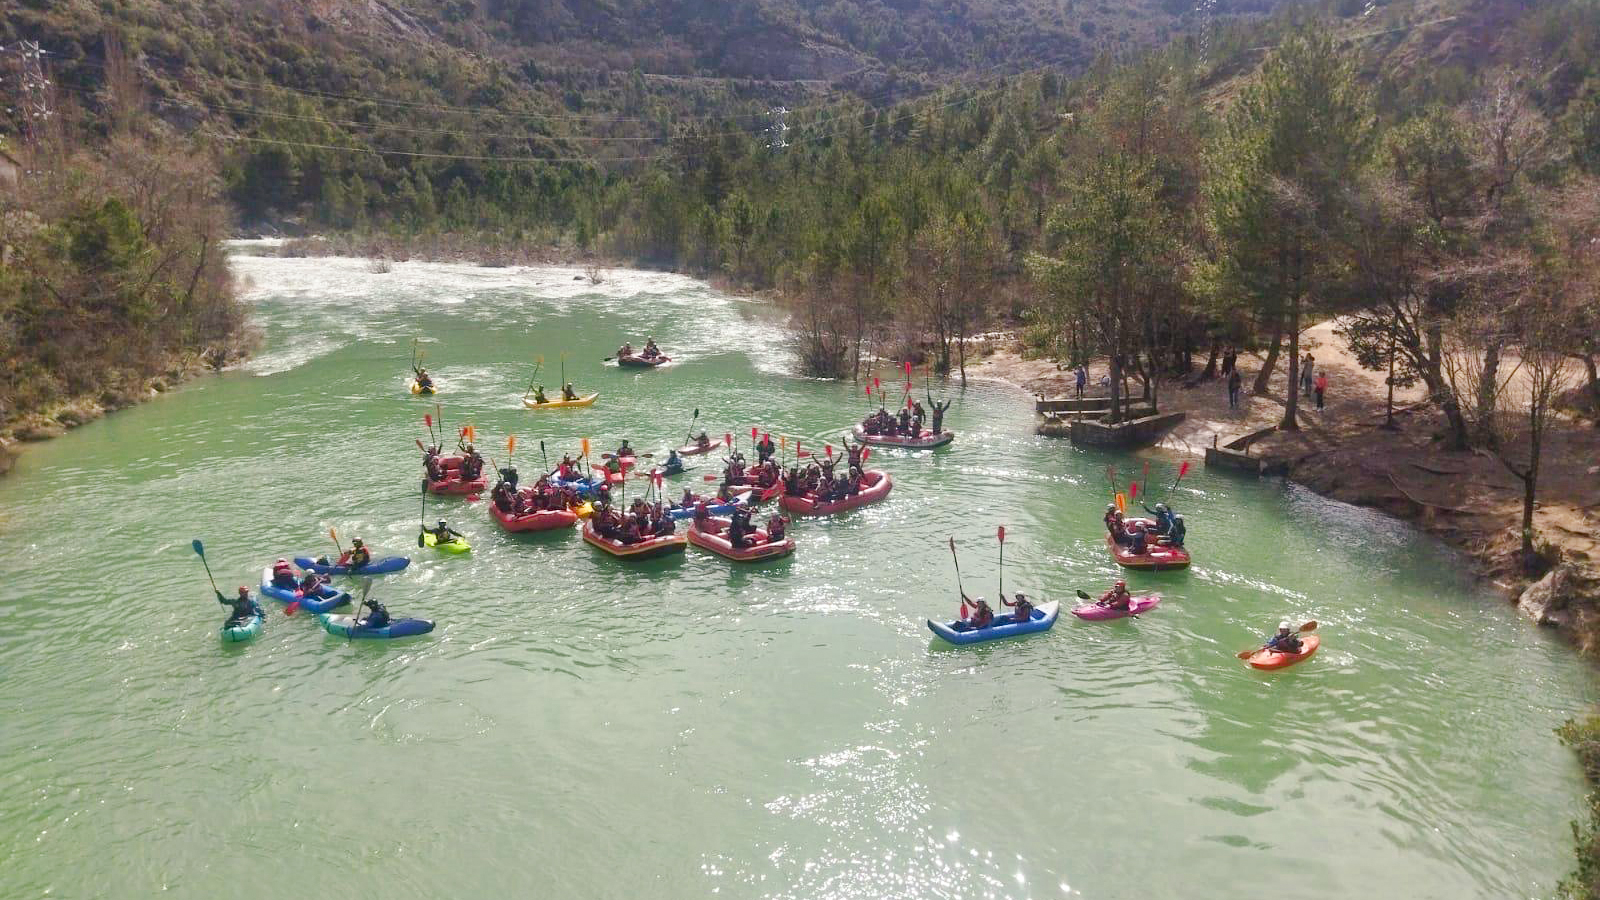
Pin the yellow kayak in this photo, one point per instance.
(419, 389)
(457, 545)
(585, 510)
(562, 404)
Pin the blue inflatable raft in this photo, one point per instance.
(328, 597)
(347, 627)
(1044, 617)
(384, 566)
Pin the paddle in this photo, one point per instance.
(693, 419)
(422, 522)
(366, 588)
(200, 550)
(545, 456)
(1002, 556)
(957, 560)
(335, 535)
(536, 365)
(1182, 471)
(1246, 654)
(427, 419)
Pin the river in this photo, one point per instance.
(578, 727)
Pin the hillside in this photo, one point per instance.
(442, 84)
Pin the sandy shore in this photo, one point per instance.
(1466, 499)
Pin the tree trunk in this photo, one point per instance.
(1594, 385)
(1530, 485)
(961, 352)
(1211, 362)
(1292, 395)
(1488, 390)
(1259, 388)
(1116, 388)
(1432, 375)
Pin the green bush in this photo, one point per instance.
(1584, 883)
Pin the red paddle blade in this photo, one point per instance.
(828, 448)
(752, 434)
(869, 392)
(908, 369)
(1133, 490)
(472, 498)
(727, 438)
(877, 385)
(866, 454)
(1002, 534)
(1183, 469)
(427, 419)
(292, 608)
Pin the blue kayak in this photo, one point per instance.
(1044, 616)
(717, 509)
(584, 486)
(347, 627)
(328, 597)
(383, 566)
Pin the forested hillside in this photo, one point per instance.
(491, 113)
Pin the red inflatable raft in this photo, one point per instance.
(640, 362)
(453, 485)
(924, 441)
(1156, 558)
(717, 542)
(875, 486)
(647, 549)
(540, 520)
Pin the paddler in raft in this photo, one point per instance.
(1162, 516)
(538, 395)
(1023, 607)
(982, 616)
(938, 414)
(626, 350)
(283, 576)
(567, 393)
(244, 608)
(424, 380)
(764, 449)
(1176, 536)
(471, 464)
(650, 351)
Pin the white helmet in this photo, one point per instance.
(1283, 626)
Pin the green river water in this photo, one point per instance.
(578, 727)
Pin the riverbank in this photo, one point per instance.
(1344, 452)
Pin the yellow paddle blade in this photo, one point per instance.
(585, 445)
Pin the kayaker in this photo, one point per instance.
(651, 351)
(377, 617)
(310, 584)
(1023, 607)
(244, 607)
(674, 463)
(567, 393)
(982, 616)
(626, 350)
(765, 448)
(443, 533)
(702, 440)
(358, 556)
(424, 380)
(624, 449)
(938, 414)
(1285, 641)
(283, 575)
(613, 465)
(1178, 532)
(1117, 598)
(538, 395)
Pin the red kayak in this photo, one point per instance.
(875, 486)
(759, 494)
(453, 485)
(717, 542)
(646, 549)
(696, 449)
(1276, 659)
(539, 520)
(1156, 558)
(640, 362)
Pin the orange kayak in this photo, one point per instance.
(1274, 659)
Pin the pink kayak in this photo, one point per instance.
(1094, 612)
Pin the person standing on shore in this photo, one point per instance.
(1082, 378)
(1234, 383)
(1230, 358)
(1321, 387)
(1307, 366)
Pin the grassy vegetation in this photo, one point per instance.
(1583, 736)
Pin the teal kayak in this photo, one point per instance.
(237, 632)
(349, 627)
